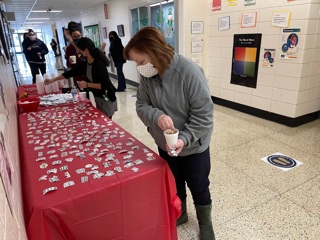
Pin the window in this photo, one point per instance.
(159, 15)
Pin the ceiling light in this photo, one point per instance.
(48, 10)
(37, 19)
(32, 22)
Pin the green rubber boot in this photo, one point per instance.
(184, 216)
(205, 222)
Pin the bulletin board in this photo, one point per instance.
(93, 32)
(245, 59)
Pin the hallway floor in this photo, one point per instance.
(252, 199)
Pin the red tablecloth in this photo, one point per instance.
(127, 205)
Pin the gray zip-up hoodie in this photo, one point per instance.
(183, 94)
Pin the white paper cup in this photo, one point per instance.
(83, 96)
(73, 59)
(171, 136)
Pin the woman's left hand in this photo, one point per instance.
(177, 148)
(82, 84)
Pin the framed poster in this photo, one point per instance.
(92, 32)
(104, 31)
(120, 30)
(105, 9)
(245, 59)
(197, 27)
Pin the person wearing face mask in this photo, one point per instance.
(75, 34)
(116, 51)
(174, 94)
(96, 76)
(35, 51)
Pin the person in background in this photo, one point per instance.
(94, 68)
(54, 47)
(35, 51)
(116, 52)
(75, 34)
(25, 41)
(173, 94)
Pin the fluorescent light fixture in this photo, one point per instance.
(32, 22)
(37, 19)
(44, 11)
(163, 2)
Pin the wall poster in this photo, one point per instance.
(216, 5)
(245, 59)
(93, 33)
(290, 41)
(268, 57)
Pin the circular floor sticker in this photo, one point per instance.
(282, 161)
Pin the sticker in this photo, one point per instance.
(43, 165)
(282, 161)
(50, 189)
(43, 178)
(54, 179)
(67, 175)
(54, 170)
(135, 169)
(64, 168)
(84, 179)
(68, 184)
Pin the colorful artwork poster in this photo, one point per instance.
(249, 2)
(93, 33)
(231, 2)
(290, 42)
(245, 59)
(6, 170)
(268, 57)
(216, 5)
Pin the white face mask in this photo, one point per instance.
(147, 70)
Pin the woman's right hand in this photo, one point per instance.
(165, 122)
(48, 81)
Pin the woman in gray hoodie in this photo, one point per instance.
(174, 94)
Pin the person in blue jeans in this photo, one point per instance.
(116, 52)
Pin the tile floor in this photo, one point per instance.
(252, 200)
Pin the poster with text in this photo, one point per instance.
(93, 33)
(290, 42)
(245, 59)
(268, 57)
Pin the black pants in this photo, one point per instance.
(35, 70)
(193, 170)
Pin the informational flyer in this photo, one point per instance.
(290, 42)
(224, 23)
(216, 5)
(197, 45)
(197, 58)
(248, 19)
(268, 57)
(249, 2)
(231, 2)
(281, 18)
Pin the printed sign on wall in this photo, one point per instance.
(290, 41)
(245, 59)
